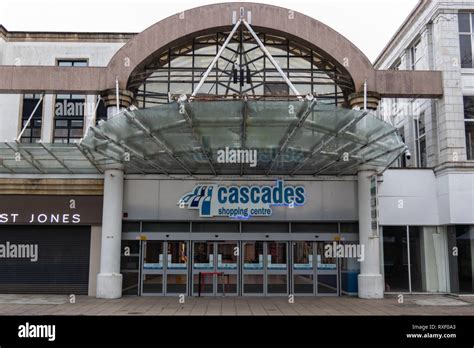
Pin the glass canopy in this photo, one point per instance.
(202, 137)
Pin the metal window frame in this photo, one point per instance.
(340, 82)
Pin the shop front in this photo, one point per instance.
(168, 249)
(46, 244)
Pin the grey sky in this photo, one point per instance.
(369, 24)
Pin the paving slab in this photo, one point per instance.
(229, 306)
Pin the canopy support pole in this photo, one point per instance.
(29, 118)
(306, 109)
(216, 58)
(274, 62)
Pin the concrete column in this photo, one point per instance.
(109, 280)
(370, 279)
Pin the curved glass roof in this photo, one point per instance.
(242, 69)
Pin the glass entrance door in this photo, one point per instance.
(314, 275)
(203, 268)
(327, 274)
(227, 265)
(164, 275)
(304, 275)
(153, 268)
(265, 268)
(277, 268)
(177, 267)
(215, 268)
(253, 268)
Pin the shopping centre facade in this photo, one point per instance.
(239, 148)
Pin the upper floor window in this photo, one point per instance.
(32, 133)
(241, 70)
(69, 110)
(466, 38)
(402, 160)
(80, 63)
(396, 66)
(469, 123)
(415, 55)
(420, 141)
(68, 118)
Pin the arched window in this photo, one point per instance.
(243, 69)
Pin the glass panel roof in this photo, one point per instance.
(289, 137)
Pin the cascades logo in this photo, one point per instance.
(241, 202)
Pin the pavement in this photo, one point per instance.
(323, 306)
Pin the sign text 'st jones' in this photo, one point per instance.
(6, 218)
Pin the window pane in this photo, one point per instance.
(464, 240)
(61, 123)
(202, 62)
(29, 105)
(213, 227)
(415, 259)
(77, 124)
(421, 124)
(466, 51)
(180, 88)
(470, 140)
(303, 255)
(80, 63)
(253, 255)
(469, 115)
(276, 257)
(165, 226)
(182, 62)
(469, 108)
(464, 23)
(64, 63)
(265, 227)
(71, 62)
(76, 133)
(395, 258)
(177, 255)
(153, 258)
(36, 132)
(60, 133)
(350, 228)
(350, 268)
(302, 227)
(423, 159)
(325, 262)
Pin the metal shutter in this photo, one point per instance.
(63, 260)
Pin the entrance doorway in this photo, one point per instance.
(230, 268)
(164, 268)
(313, 272)
(265, 268)
(215, 268)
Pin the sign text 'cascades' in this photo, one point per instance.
(241, 202)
